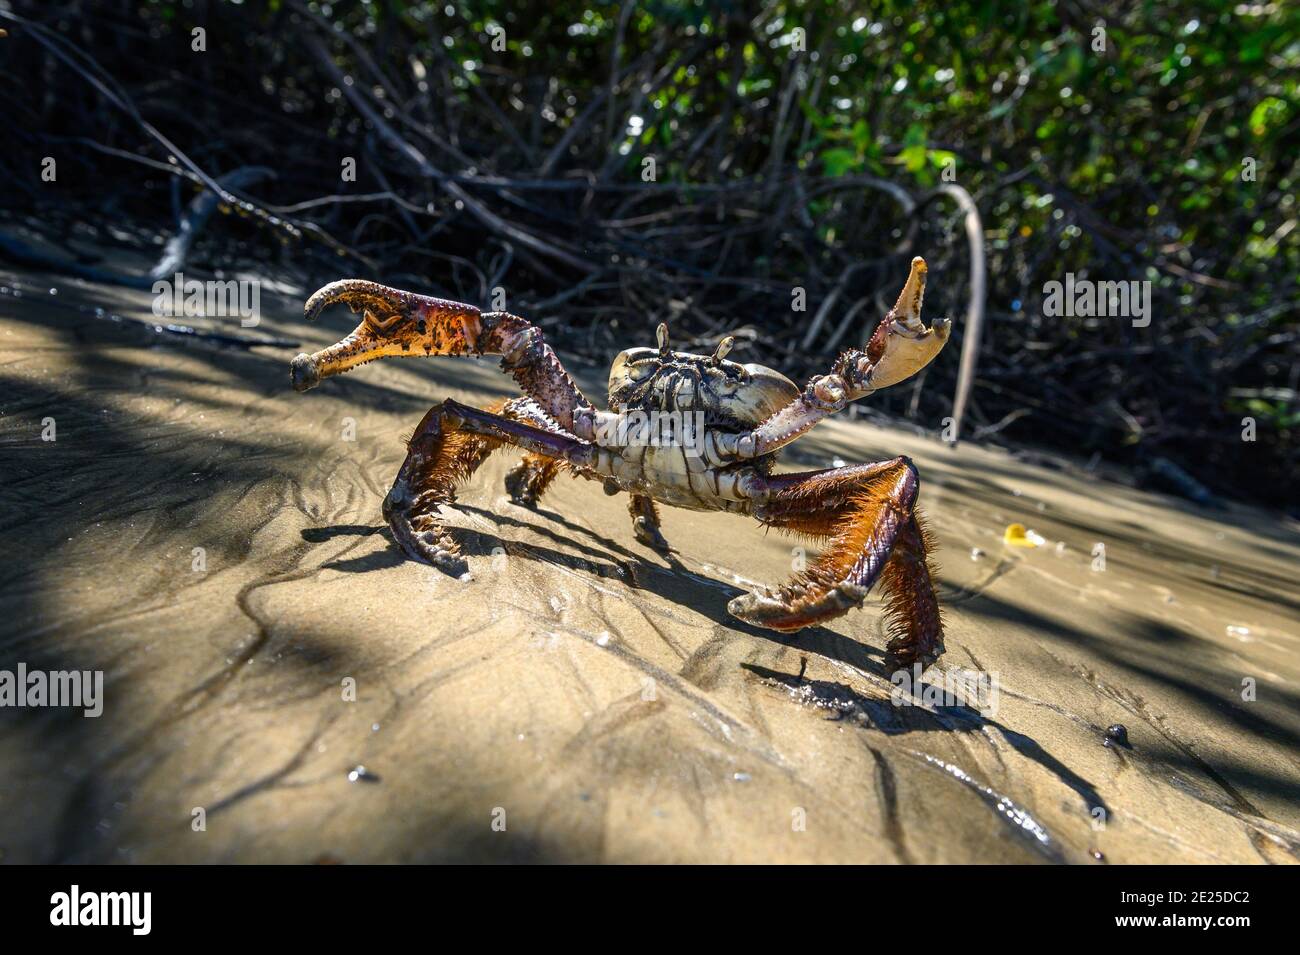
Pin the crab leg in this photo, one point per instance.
(645, 522)
(900, 347)
(398, 323)
(528, 480)
(867, 515)
(449, 444)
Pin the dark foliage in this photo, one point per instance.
(795, 146)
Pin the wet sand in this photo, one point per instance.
(584, 698)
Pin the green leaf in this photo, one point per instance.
(838, 162)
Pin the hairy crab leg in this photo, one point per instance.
(645, 522)
(912, 610)
(399, 323)
(449, 444)
(528, 480)
(900, 347)
(866, 512)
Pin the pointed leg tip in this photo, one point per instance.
(902, 656)
(431, 546)
(521, 486)
(649, 535)
(760, 610)
(438, 553)
(741, 607)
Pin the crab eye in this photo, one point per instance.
(632, 368)
(641, 370)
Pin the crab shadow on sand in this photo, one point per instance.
(586, 551)
(672, 581)
(676, 584)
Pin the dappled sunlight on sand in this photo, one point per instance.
(593, 693)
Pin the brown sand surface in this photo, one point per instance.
(588, 694)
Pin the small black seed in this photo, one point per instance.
(1117, 735)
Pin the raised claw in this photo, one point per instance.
(359, 294)
(393, 322)
(405, 324)
(902, 345)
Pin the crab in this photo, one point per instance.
(685, 430)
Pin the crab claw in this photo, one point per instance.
(393, 322)
(902, 345)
